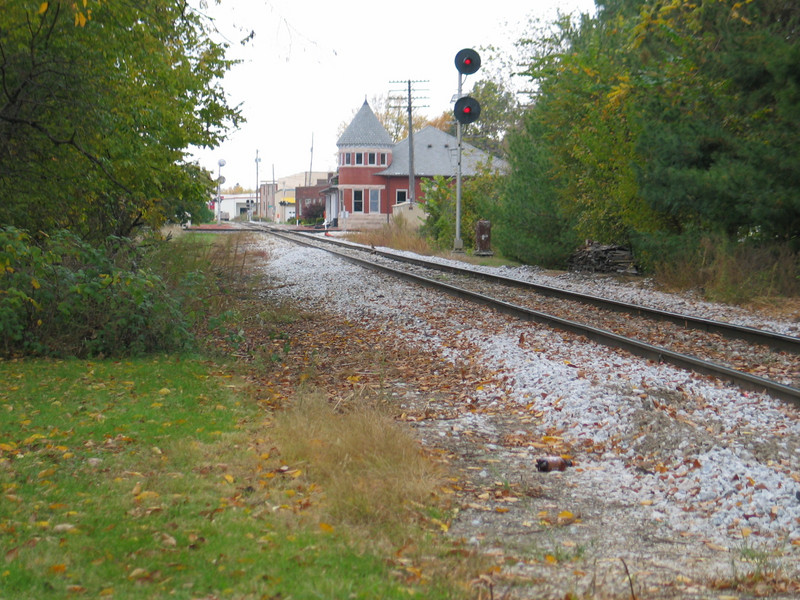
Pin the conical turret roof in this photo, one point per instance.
(365, 130)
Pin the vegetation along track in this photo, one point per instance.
(750, 358)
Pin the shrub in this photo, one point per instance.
(62, 297)
(720, 268)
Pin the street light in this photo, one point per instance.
(220, 181)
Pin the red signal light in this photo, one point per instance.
(468, 61)
(467, 110)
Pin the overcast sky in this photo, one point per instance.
(311, 64)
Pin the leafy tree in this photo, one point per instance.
(653, 120)
(479, 195)
(99, 103)
(500, 113)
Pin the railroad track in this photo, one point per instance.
(730, 352)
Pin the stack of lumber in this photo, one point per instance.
(602, 258)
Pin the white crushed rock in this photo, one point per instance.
(695, 454)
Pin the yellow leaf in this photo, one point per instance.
(7, 447)
(43, 8)
(746, 531)
(229, 478)
(551, 559)
(326, 528)
(146, 495)
(442, 525)
(565, 515)
(60, 568)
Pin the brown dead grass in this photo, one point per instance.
(372, 473)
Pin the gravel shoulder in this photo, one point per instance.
(682, 486)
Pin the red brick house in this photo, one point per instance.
(374, 172)
(308, 196)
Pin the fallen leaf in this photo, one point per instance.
(137, 573)
(76, 589)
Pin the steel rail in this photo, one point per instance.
(600, 336)
(774, 340)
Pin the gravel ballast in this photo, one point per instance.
(682, 478)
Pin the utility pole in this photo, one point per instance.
(311, 162)
(258, 190)
(412, 179)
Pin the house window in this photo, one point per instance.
(402, 196)
(358, 200)
(359, 158)
(383, 158)
(371, 158)
(374, 201)
(347, 157)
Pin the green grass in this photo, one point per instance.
(158, 477)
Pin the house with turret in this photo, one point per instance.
(374, 172)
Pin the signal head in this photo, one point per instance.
(467, 110)
(468, 61)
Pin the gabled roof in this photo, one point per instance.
(435, 153)
(365, 131)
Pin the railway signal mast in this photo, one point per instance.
(466, 110)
